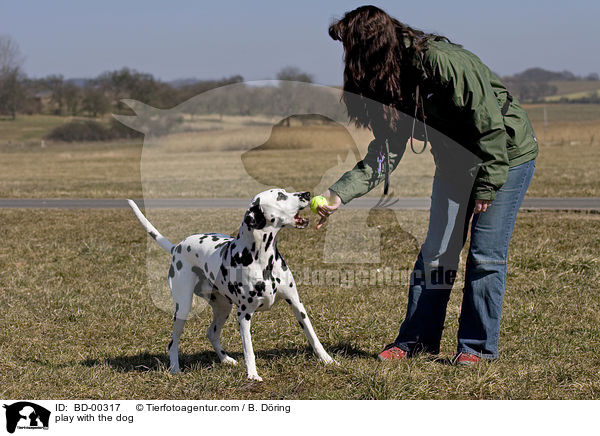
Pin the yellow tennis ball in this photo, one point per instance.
(317, 201)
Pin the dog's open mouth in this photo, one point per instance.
(300, 222)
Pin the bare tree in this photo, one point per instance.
(73, 98)
(289, 91)
(294, 74)
(95, 102)
(10, 54)
(56, 85)
(11, 76)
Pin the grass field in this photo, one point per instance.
(564, 87)
(573, 89)
(213, 163)
(86, 310)
(78, 321)
(28, 129)
(574, 96)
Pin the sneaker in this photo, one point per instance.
(391, 352)
(465, 359)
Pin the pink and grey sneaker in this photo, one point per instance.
(466, 359)
(391, 352)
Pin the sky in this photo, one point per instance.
(214, 39)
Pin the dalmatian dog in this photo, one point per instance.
(246, 271)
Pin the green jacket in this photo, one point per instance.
(463, 100)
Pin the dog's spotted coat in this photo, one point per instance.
(246, 271)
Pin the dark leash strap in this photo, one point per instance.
(386, 184)
(509, 99)
(418, 99)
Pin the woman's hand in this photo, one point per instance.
(481, 205)
(324, 211)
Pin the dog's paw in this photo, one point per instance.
(328, 360)
(229, 360)
(255, 377)
(174, 371)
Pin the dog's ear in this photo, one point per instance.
(255, 218)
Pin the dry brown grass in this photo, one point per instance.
(215, 163)
(565, 87)
(78, 320)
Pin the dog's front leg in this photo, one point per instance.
(244, 322)
(307, 328)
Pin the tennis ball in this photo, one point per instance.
(317, 201)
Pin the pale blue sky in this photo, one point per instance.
(213, 39)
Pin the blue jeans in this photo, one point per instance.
(485, 277)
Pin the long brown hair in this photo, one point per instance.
(378, 65)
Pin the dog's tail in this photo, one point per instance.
(160, 239)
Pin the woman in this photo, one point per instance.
(453, 93)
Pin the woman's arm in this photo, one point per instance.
(366, 174)
(370, 172)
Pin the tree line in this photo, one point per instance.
(534, 84)
(101, 95)
(98, 96)
(93, 97)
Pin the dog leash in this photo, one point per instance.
(386, 184)
(418, 99)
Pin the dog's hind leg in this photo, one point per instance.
(221, 308)
(181, 284)
(244, 322)
(178, 325)
(293, 300)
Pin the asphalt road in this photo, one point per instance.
(416, 203)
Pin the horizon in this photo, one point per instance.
(203, 41)
(177, 82)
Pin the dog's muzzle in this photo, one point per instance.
(305, 196)
(301, 222)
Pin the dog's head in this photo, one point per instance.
(277, 208)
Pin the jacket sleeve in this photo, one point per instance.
(366, 174)
(472, 94)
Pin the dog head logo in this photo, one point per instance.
(304, 148)
(234, 141)
(239, 139)
(26, 415)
